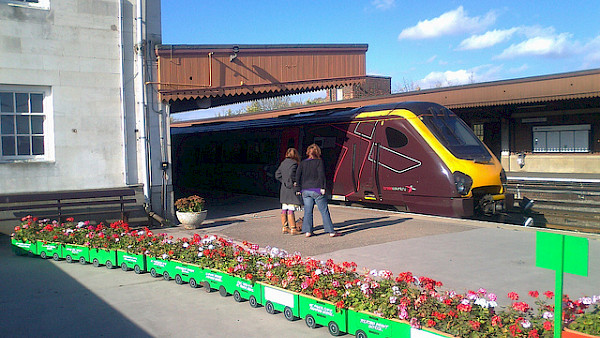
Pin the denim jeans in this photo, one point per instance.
(310, 198)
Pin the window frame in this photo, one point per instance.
(47, 124)
(41, 4)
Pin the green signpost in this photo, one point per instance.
(562, 254)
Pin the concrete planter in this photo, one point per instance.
(191, 220)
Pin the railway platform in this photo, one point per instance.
(462, 254)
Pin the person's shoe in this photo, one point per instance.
(308, 234)
(335, 234)
(285, 230)
(295, 231)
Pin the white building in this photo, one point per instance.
(77, 108)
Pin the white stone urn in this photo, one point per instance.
(191, 220)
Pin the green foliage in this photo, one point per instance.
(588, 322)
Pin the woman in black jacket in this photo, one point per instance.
(290, 202)
(311, 178)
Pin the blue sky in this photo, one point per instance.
(421, 43)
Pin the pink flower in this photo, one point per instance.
(491, 297)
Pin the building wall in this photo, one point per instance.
(73, 50)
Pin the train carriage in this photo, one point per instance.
(104, 257)
(49, 249)
(75, 252)
(417, 156)
(131, 261)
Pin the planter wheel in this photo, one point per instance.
(153, 273)
(96, 262)
(289, 314)
(124, 267)
(55, 257)
(43, 254)
(69, 259)
(310, 322)
(361, 334)
(236, 296)
(334, 329)
(193, 283)
(82, 260)
(166, 276)
(137, 269)
(269, 307)
(223, 291)
(253, 302)
(206, 286)
(109, 265)
(178, 279)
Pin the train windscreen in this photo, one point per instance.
(455, 135)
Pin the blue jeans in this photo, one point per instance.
(310, 198)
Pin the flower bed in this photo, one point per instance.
(321, 292)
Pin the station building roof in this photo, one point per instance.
(529, 91)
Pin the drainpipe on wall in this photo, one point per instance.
(141, 101)
(123, 107)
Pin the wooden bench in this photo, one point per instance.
(60, 205)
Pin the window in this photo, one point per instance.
(42, 4)
(479, 131)
(561, 139)
(23, 125)
(395, 138)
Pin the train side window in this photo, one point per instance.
(395, 138)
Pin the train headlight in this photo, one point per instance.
(463, 183)
(503, 176)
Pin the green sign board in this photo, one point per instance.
(562, 254)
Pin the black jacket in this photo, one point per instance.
(311, 174)
(286, 174)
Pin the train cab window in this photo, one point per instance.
(395, 138)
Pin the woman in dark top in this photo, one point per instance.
(290, 202)
(310, 176)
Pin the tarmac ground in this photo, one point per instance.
(48, 298)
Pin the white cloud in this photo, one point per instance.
(591, 51)
(452, 22)
(549, 45)
(383, 4)
(488, 39)
(460, 77)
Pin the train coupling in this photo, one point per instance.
(496, 204)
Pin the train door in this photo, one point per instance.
(391, 164)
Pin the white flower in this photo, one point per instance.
(165, 256)
(80, 224)
(586, 300)
(526, 324)
(141, 233)
(200, 254)
(482, 302)
(465, 302)
(491, 303)
(548, 315)
(210, 247)
(317, 271)
(393, 300)
(185, 244)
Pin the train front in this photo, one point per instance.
(477, 173)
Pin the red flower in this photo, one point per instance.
(464, 307)
(70, 219)
(533, 334)
(340, 304)
(521, 306)
(431, 322)
(249, 276)
(230, 270)
(534, 294)
(475, 325)
(513, 295)
(549, 294)
(548, 326)
(497, 321)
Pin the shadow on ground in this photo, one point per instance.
(39, 299)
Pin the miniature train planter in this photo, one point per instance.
(294, 306)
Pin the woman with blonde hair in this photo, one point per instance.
(310, 176)
(290, 202)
